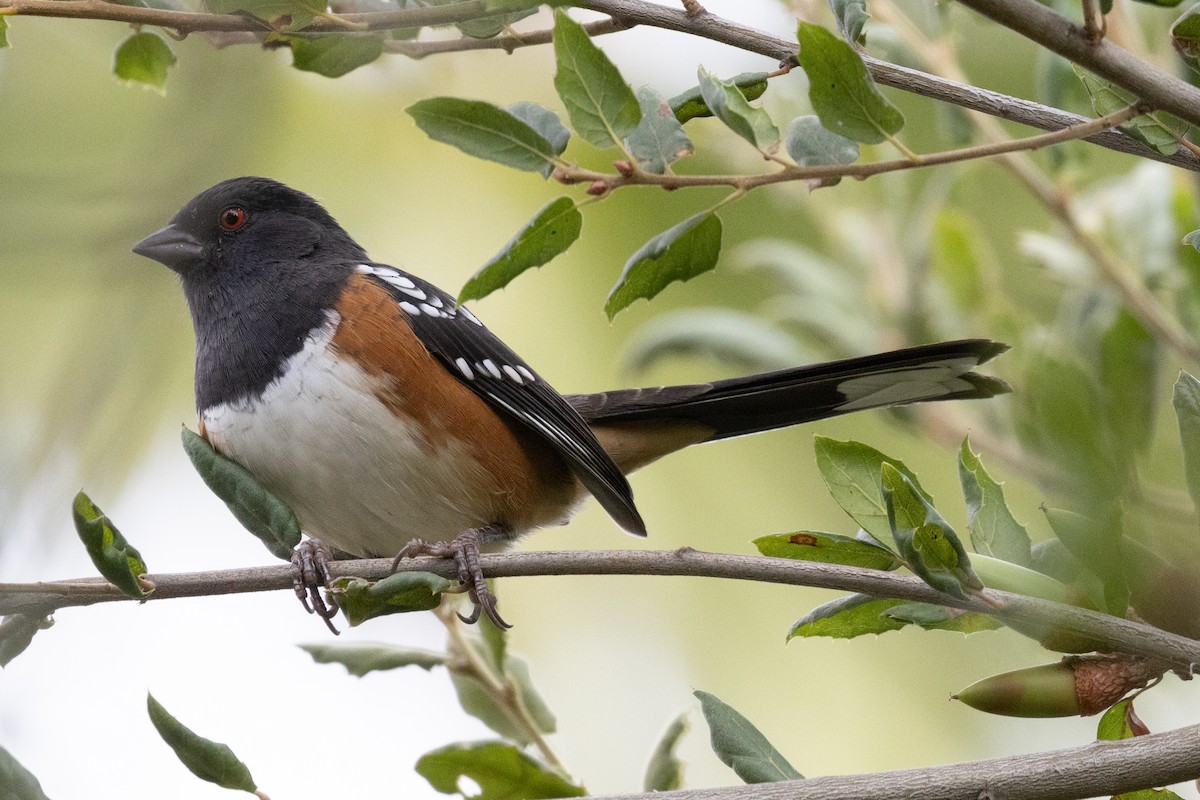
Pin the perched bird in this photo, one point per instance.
(392, 421)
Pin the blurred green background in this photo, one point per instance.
(95, 379)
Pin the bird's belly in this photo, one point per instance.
(357, 476)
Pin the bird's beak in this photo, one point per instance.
(171, 247)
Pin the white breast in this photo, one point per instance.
(355, 475)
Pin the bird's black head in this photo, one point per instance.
(262, 265)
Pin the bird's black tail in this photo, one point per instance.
(770, 400)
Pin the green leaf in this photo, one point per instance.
(483, 130)
(741, 746)
(545, 122)
(335, 54)
(1193, 239)
(851, 16)
(116, 559)
(848, 617)
(16, 633)
(1130, 359)
(1160, 3)
(142, 58)
(994, 531)
(827, 548)
(811, 145)
(659, 139)
(487, 27)
(259, 511)
(1185, 36)
(359, 658)
(955, 258)
(1186, 400)
(677, 254)
(3, 32)
(927, 543)
(996, 573)
(361, 600)
(933, 617)
(690, 104)
(665, 770)
(601, 106)
(480, 703)
(501, 771)
(16, 782)
(208, 760)
(841, 90)
(727, 103)
(1114, 723)
(1148, 794)
(283, 15)
(495, 642)
(1098, 545)
(551, 231)
(851, 472)
(1158, 130)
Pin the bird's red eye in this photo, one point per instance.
(232, 218)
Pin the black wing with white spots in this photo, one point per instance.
(483, 363)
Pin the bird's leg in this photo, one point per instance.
(310, 574)
(464, 549)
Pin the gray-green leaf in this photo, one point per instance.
(500, 769)
(359, 658)
(484, 131)
(259, 511)
(361, 600)
(208, 760)
(335, 54)
(16, 633)
(851, 16)
(545, 122)
(665, 770)
(847, 617)
(601, 105)
(690, 104)
(851, 472)
(741, 746)
(810, 144)
(1185, 36)
(993, 529)
(841, 90)
(827, 548)
(659, 139)
(551, 231)
(678, 254)
(480, 703)
(16, 782)
(1186, 400)
(142, 58)
(115, 558)
(1157, 129)
(729, 105)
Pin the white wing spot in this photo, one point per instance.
(413, 292)
(464, 368)
(365, 269)
(410, 308)
(491, 367)
(512, 373)
(435, 301)
(521, 368)
(467, 313)
(431, 311)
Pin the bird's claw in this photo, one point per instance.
(464, 549)
(310, 574)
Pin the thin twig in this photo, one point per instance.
(1093, 22)
(506, 43)
(1026, 612)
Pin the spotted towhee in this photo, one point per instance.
(383, 412)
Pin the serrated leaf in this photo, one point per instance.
(940, 618)
(827, 548)
(283, 15)
(690, 104)
(665, 770)
(927, 543)
(483, 130)
(841, 90)
(361, 599)
(259, 511)
(142, 58)
(1186, 401)
(1099, 547)
(739, 338)
(359, 658)
(811, 145)
(551, 231)
(659, 139)
(727, 103)
(487, 27)
(600, 104)
(741, 746)
(208, 760)
(677, 254)
(116, 559)
(993, 529)
(1185, 37)
(480, 703)
(16, 633)
(335, 54)
(545, 122)
(851, 16)
(848, 617)
(1158, 130)
(500, 770)
(16, 782)
(851, 472)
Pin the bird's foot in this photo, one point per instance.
(464, 549)
(310, 574)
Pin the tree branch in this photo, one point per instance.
(1023, 612)
(507, 43)
(1099, 769)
